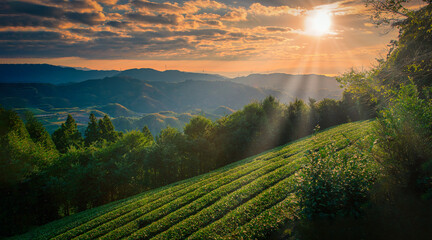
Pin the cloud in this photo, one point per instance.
(91, 33)
(205, 4)
(31, 9)
(166, 19)
(277, 29)
(153, 6)
(27, 21)
(25, 35)
(235, 15)
(260, 9)
(77, 5)
(90, 19)
(118, 24)
(108, 2)
(168, 29)
(212, 22)
(23, 9)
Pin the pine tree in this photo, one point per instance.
(38, 132)
(107, 129)
(147, 133)
(93, 132)
(67, 135)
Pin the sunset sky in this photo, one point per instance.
(227, 37)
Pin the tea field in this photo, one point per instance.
(245, 200)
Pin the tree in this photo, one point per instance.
(408, 60)
(107, 129)
(37, 131)
(404, 137)
(388, 11)
(22, 164)
(330, 113)
(296, 116)
(147, 133)
(197, 127)
(67, 135)
(93, 132)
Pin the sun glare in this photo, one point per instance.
(318, 23)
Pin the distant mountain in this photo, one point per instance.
(154, 121)
(45, 73)
(223, 110)
(149, 74)
(136, 95)
(115, 110)
(300, 86)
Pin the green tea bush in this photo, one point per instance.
(335, 183)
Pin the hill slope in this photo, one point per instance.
(300, 86)
(149, 74)
(247, 199)
(136, 95)
(45, 73)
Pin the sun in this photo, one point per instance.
(318, 23)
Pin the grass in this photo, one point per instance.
(245, 200)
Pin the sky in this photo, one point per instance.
(231, 38)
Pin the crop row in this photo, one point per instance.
(247, 211)
(267, 222)
(260, 226)
(151, 212)
(227, 203)
(207, 200)
(157, 199)
(58, 227)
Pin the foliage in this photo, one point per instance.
(21, 161)
(335, 182)
(106, 129)
(388, 11)
(197, 127)
(67, 135)
(93, 132)
(405, 138)
(408, 60)
(37, 131)
(147, 133)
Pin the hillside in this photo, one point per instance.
(301, 86)
(45, 73)
(136, 95)
(149, 74)
(248, 199)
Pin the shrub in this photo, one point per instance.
(335, 183)
(404, 137)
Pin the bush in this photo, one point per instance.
(335, 183)
(404, 137)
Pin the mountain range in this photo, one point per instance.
(52, 92)
(136, 95)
